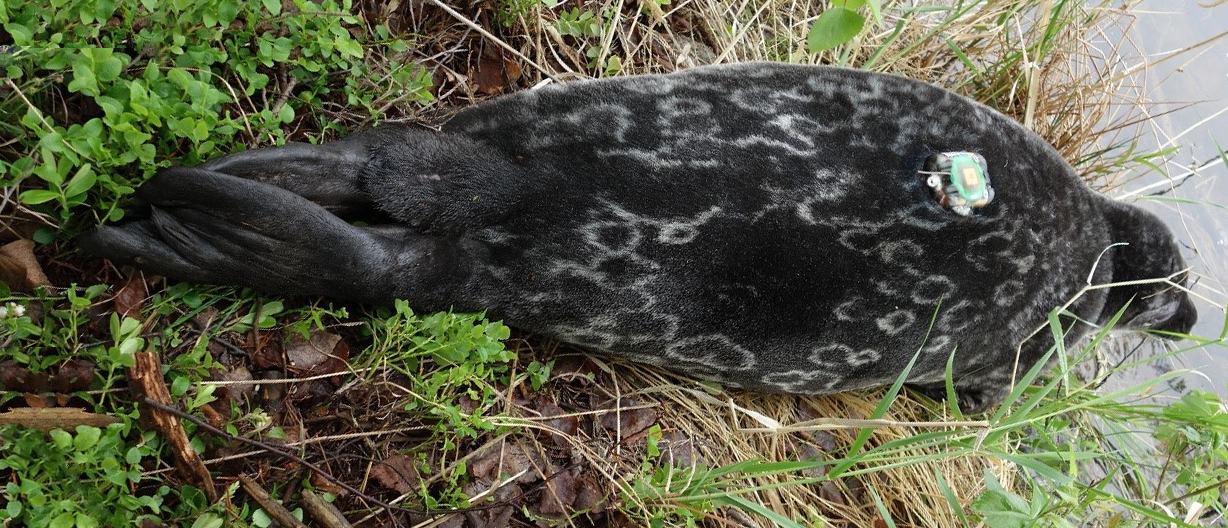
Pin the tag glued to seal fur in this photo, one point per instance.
(958, 181)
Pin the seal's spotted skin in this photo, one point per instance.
(763, 225)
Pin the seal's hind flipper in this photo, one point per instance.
(438, 183)
(327, 174)
(139, 242)
(205, 226)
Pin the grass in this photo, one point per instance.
(431, 410)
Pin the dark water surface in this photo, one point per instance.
(1188, 92)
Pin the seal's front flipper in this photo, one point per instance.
(205, 226)
(971, 399)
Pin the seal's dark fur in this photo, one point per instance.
(763, 225)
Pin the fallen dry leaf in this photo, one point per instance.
(809, 452)
(468, 404)
(16, 226)
(131, 297)
(238, 392)
(19, 269)
(204, 319)
(513, 460)
(397, 473)
(591, 497)
(267, 357)
(830, 492)
(15, 377)
(560, 493)
(678, 449)
(323, 485)
(626, 418)
(455, 521)
(574, 368)
(824, 440)
(496, 517)
(494, 74)
(319, 353)
(559, 420)
(855, 489)
(74, 375)
(311, 392)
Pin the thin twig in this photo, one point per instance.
(465, 20)
(284, 454)
(329, 477)
(286, 92)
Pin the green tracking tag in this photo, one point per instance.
(958, 180)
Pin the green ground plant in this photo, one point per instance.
(840, 23)
(52, 473)
(161, 77)
(446, 357)
(98, 94)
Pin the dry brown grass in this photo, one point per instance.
(723, 428)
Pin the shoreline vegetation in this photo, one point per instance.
(309, 405)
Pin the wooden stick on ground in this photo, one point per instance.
(322, 511)
(147, 381)
(275, 510)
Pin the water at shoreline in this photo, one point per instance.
(1188, 93)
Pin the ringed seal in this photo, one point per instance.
(768, 226)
